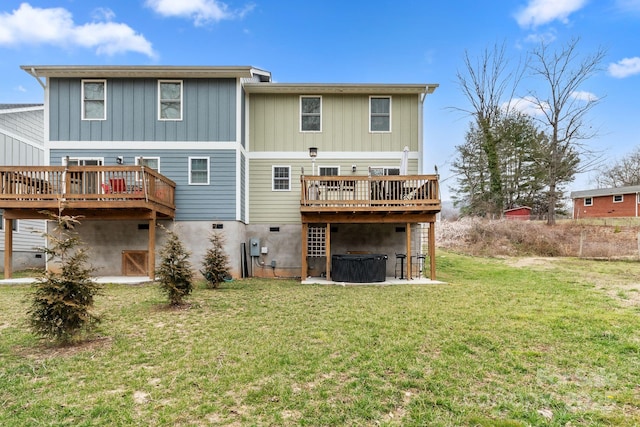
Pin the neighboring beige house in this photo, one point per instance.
(343, 197)
(22, 144)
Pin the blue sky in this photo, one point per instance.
(385, 41)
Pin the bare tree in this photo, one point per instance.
(564, 107)
(624, 172)
(485, 83)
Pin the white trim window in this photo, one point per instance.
(588, 201)
(281, 178)
(618, 198)
(150, 162)
(310, 114)
(198, 171)
(329, 170)
(170, 99)
(384, 170)
(94, 99)
(379, 114)
(14, 225)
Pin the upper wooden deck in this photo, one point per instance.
(91, 191)
(411, 197)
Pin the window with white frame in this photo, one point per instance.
(170, 99)
(380, 114)
(150, 162)
(588, 201)
(281, 178)
(330, 171)
(94, 99)
(310, 113)
(14, 225)
(384, 171)
(198, 170)
(618, 198)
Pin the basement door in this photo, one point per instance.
(135, 263)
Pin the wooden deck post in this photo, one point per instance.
(408, 265)
(305, 246)
(8, 248)
(432, 250)
(152, 247)
(327, 251)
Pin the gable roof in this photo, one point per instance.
(598, 192)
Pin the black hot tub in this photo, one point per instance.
(358, 268)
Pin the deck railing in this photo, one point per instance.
(366, 193)
(23, 186)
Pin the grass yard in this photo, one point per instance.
(505, 343)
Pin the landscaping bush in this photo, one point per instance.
(62, 300)
(216, 262)
(175, 274)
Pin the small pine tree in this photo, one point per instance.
(175, 274)
(62, 300)
(215, 262)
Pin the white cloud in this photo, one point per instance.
(29, 25)
(201, 11)
(625, 67)
(584, 96)
(526, 105)
(539, 12)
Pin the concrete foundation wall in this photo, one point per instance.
(106, 240)
(24, 260)
(283, 243)
(284, 246)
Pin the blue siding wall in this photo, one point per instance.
(216, 201)
(209, 112)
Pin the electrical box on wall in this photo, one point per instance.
(264, 250)
(254, 243)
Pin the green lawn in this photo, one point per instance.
(551, 343)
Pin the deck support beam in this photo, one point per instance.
(151, 261)
(8, 248)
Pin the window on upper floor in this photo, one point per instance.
(379, 114)
(170, 99)
(588, 201)
(198, 171)
(14, 226)
(618, 198)
(281, 178)
(94, 100)
(310, 114)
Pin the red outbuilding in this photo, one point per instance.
(522, 213)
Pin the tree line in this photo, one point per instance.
(523, 151)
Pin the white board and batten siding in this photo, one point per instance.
(22, 144)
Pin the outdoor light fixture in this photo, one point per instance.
(313, 153)
(353, 168)
(119, 160)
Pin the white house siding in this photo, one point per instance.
(22, 144)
